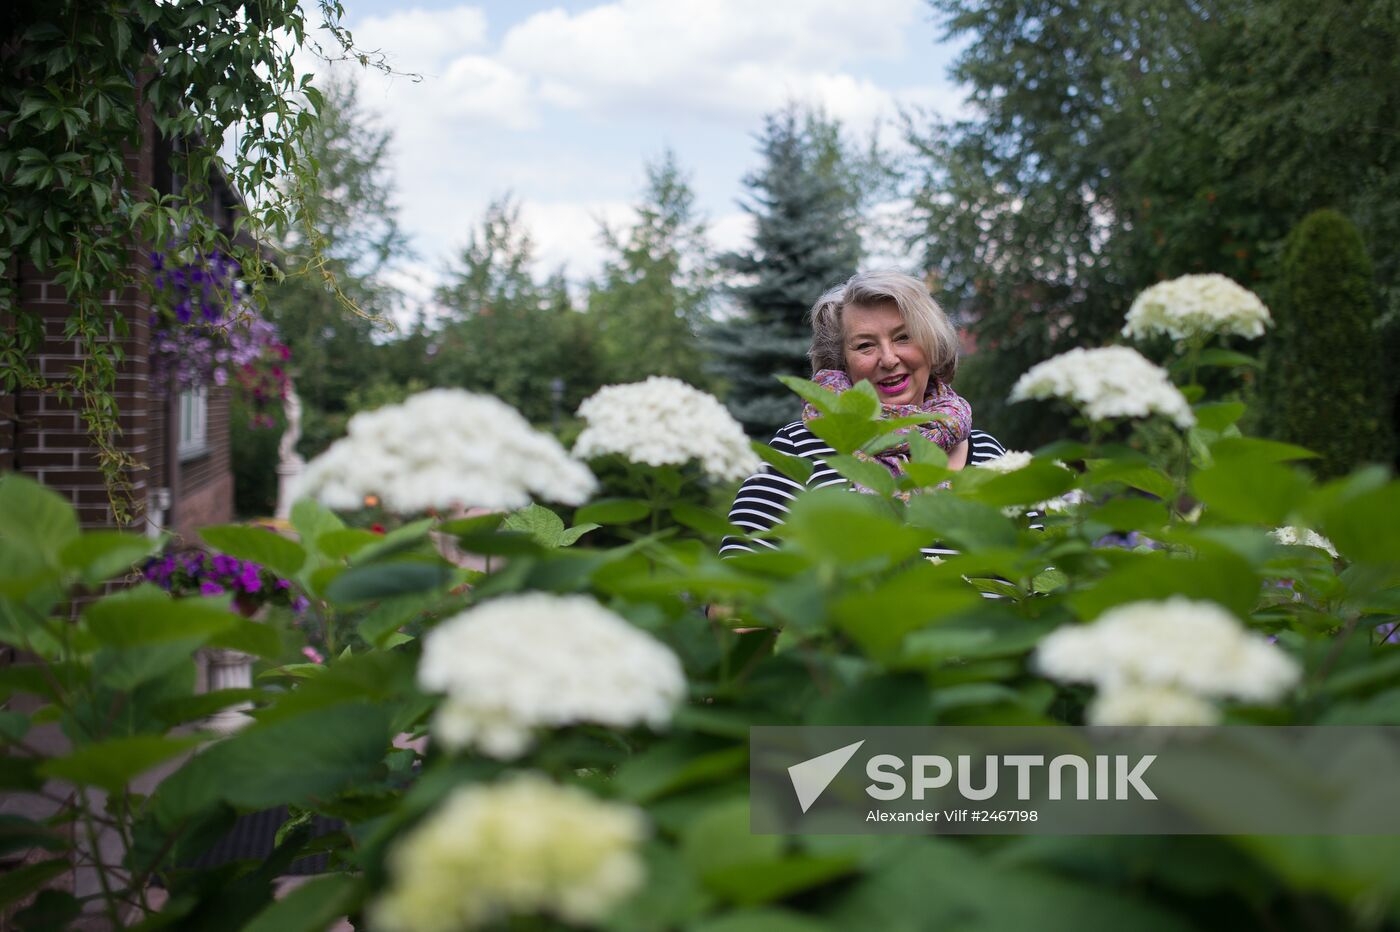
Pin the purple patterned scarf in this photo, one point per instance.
(950, 418)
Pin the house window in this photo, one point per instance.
(194, 418)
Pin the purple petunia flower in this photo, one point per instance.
(300, 604)
(210, 588)
(249, 579)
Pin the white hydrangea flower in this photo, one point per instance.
(1010, 461)
(442, 448)
(1150, 705)
(1302, 537)
(521, 847)
(663, 422)
(1195, 306)
(1107, 382)
(1179, 643)
(532, 660)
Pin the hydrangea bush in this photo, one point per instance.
(561, 741)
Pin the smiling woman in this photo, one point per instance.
(884, 328)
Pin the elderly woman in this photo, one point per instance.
(881, 327)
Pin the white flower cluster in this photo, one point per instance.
(532, 660)
(1195, 306)
(1158, 662)
(1302, 537)
(1107, 382)
(522, 847)
(662, 422)
(442, 448)
(1010, 461)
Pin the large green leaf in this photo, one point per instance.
(1221, 577)
(311, 907)
(114, 763)
(312, 519)
(148, 616)
(864, 473)
(261, 545)
(796, 468)
(823, 399)
(382, 580)
(613, 511)
(291, 760)
(1250, 491)
(847, 528)
(98, 556)
(36, 517)
(19, 882)
(1366, 527)
(961, 523)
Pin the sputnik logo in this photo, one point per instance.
(811, 777)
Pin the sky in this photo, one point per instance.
(562, 105)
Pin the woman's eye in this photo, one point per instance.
(902, 338)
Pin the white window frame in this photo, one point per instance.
(193, 423)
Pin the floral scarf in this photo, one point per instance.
(950, 420)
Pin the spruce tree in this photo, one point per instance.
(654, 291)
(1322, 384)
(805, 201)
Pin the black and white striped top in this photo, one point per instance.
(766, 497)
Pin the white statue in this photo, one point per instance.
(289, 462)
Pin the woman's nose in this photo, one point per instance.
(888, 358)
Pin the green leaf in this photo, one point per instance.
(1257, 449)
(1250, 491)
(796, 468)
(864, 473)
(311, 907)
(847, 528)
(701, 519)
(823, 399)
(962, 523)
(98, 556)
(572, 535)
(1036, 482)
(292, 760)
(719, 837)
(312, 519)
(148, 616)
(251, 637)
(400, 540)
(1215, 356)
(19, 882)
(753, 883)
(36, 517)
(345, 543)
(762, 920)
(613, 511)
(262, 546)
(478, 524)
(860, 400)
(51, 909)
(114, 763)
(13, 725)
(540, 523)
(1134, 475)
(1220, 577)
(879, 617)
(382, 580)
(1363, 526)
(1218, 415)
(846, 432)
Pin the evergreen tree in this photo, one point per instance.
(655, 288)
(1322, 385)
(507, 335)
(1115, 144)
(805, 202)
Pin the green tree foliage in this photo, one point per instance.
(349, 237)
(1115, 144)
(77, 80)
(805, 201)
(1322, 384)
(508, 334)
(654, 292)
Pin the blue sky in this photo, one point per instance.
(562, 104)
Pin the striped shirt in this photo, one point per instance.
(766, 497)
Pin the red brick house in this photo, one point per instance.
(180, 439)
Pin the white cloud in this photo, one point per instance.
(422, 41)
(566, 232)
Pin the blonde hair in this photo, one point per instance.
(928, 326)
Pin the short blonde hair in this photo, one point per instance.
(928, 326)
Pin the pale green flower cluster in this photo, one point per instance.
(1106, 382)
(1302, 537)
(521, 847)
(665, 422)
(1157, 663)
(443, 448)
(1197, 306)
(537, 660)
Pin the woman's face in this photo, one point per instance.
(878, 347)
